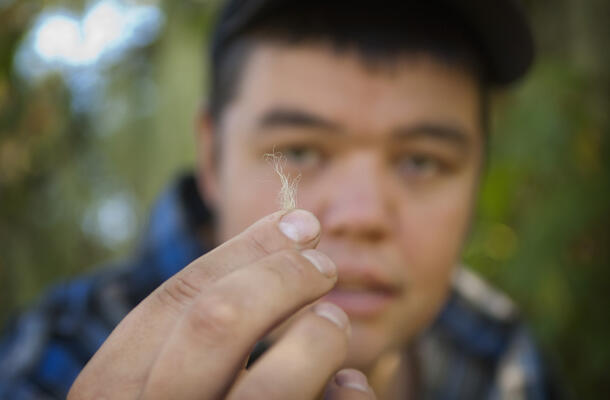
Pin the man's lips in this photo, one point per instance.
(362, 301)
(365, 289)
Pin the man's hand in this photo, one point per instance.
(191, 337)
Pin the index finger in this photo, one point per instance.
(294, 229)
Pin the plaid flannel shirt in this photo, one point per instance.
(476, 349)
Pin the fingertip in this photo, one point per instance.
(300, 226)
(334, 314)
(349, 384)
(352, 379)
(322, 262)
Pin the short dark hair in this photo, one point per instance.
(376, 35)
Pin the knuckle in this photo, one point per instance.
(177, 293)
(259, 246)
(215, 318)
(289, 268)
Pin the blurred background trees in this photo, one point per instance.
(92, 127)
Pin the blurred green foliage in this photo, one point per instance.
(542, 231)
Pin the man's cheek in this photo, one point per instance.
(247, 197)
(431, 250)
(436, 233)
(242, 211)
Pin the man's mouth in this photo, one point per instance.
(368, 283)
(362, 301)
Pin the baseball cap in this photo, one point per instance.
(500, 27)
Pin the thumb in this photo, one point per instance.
(349, 384)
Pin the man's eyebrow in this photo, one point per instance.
(292, 117)
(444, 132)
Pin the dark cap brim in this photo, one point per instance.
(501, 28)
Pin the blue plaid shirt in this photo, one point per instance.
(476, 349)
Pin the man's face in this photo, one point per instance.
(389, 160)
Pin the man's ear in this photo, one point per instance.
(207, 165)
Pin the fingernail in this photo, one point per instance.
(353, 379)
(332, 313)
(321, 261)
(300, 226)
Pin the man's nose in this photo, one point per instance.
(358, 203)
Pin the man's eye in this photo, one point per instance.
(419, 166)
(302, 156)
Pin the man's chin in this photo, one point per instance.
(365, 347)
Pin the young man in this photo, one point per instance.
(381, 108)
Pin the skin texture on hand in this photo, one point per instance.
(189, 339)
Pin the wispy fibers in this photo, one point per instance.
(287, 196)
